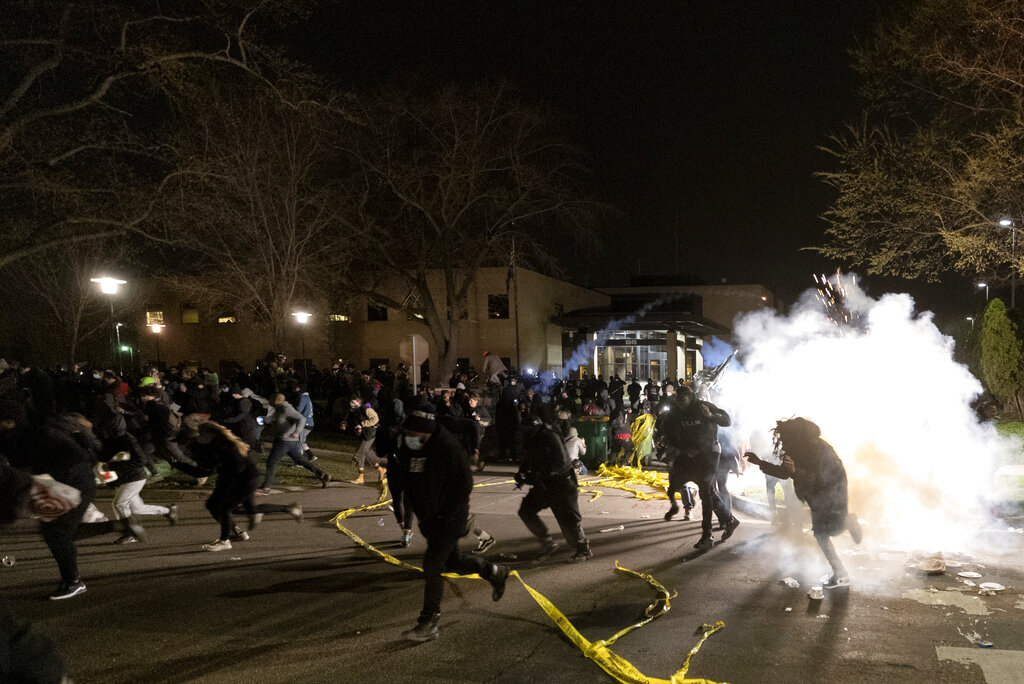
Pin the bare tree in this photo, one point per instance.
(447, 181)
(57, 300)
(85, 90)
(255, 210)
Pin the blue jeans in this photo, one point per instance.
(294, 451)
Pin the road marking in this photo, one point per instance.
(969, 603)
(998, 667)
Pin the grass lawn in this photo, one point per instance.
(333, 450)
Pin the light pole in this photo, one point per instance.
(971, 319)
(303, 318)
(1011, 224)
(984, 285)
(157, 328)
(108, 286)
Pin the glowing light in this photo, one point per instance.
(157, 328)
(302, 316)
(1006, 222)
(891, 399)
(107, 284)
(982, 284)
(764, 299)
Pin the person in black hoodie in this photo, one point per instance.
(48, 450)
(240, 419)
(690, 428)
(547, 468)
(217, 448)
(819, 479)
(438, 483)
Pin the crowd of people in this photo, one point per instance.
(89, 427)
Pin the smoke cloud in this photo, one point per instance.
(889, 396)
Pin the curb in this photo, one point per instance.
(755, 509)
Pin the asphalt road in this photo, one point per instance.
(302, 603)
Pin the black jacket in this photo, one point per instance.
(438, 482)
(544, 455)
(693, 431)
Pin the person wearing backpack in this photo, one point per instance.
(162, 426)
(242, 422)
(305, 407)
(260, 409)
(364, 421)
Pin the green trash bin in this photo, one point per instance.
(594, 431)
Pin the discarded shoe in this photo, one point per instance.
(484, 543)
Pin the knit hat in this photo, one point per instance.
(422, 417)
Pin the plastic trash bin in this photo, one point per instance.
(594, 431)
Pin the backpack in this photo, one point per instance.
(174, 421)
(258, 407)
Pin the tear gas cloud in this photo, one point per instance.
(889, 397)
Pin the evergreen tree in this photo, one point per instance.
(1001, 356)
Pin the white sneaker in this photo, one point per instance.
(217, 545)
(834, 582)
(484, 544)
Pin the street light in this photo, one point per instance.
(303, 318)
(984, 285)
(1009, 223)
(108, 286)
(157, 328)
(971, 319)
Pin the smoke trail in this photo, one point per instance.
(584, 353)
(889, 397)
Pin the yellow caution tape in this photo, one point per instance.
(619, 668)
(642, 430)
(596, 493)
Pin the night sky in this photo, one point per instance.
(699, 119)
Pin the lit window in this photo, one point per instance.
(338, 318)
(189, 313)
(154, 318)
(226, 319)
(497, 306)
